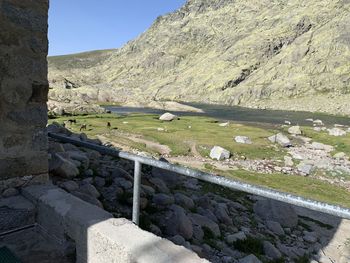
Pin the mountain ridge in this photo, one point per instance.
(265, 54)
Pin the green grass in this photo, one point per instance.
(204, 132)
(299, 185)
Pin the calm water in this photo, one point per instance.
(234, 113)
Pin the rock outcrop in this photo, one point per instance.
(267, 54)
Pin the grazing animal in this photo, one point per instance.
(71, 121)
(83, 127)
(108, 124)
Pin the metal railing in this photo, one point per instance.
(211, 178)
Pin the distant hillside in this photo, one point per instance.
(285, 54)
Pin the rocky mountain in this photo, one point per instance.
(283, 54)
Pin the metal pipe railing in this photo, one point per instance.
(211, 178)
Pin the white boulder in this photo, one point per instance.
(280, 139)
(219, 153)
(167, 117)
(295, 130)
(318, 122)
(225, 124)
(243, 139)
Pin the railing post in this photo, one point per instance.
(136, 196)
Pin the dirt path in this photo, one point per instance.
(163, 150)
(155, 146)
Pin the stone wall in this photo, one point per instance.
(23, 91)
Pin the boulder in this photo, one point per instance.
(222, 215)
(89, 189)
(320, 146)
(243, 139)
(336, 132)
(280, 139)
(275, 227)
(179, 223)
(305, 168)
(318, 122)
(163, 199)
(81, 157)
(184, 201)
(277, 211)
(271, 251)
(288, 161)
(62, 167)
(295, 130)
(167, 117)
(219, 153)
(206, 223)
(234, 237)
(69, 186)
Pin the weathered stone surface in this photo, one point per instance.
(295, 130)
(275, 227)
(243, 139)
(271, 251)
(63, 167)
(202, 221)
(23, 88)
(219, 153)
(275, 67)
(234, 237)
(280, 139)
(167, 117)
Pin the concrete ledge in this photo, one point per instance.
(99, 237)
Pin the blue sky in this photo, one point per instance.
(82, 25)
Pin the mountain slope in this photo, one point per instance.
(257, 53)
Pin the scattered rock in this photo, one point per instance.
(318, 122)
(295, 130)
(288, 161)
(336, 132)
(305, 168)
(320, 146)
(219, 153)
(167, 117)
(280, 139)
(243, 139)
